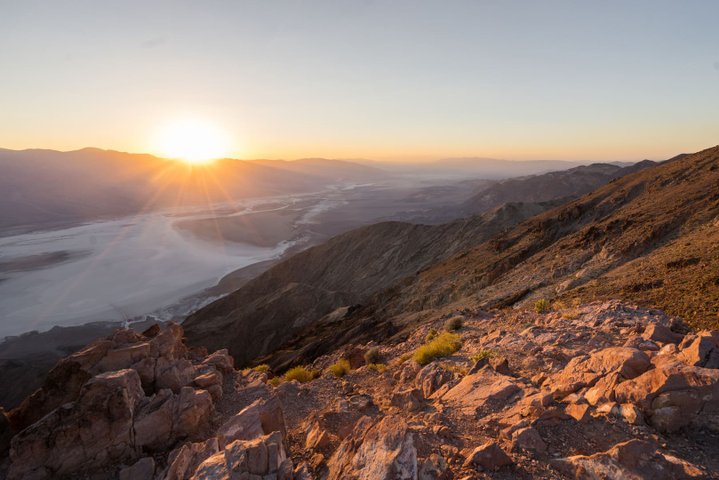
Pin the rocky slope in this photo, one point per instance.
(292, 297)
(647, 237)
(548, 186)
(268, 310)
(604, 390)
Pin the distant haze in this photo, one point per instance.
(402, 80)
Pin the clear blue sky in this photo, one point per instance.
(380, 79)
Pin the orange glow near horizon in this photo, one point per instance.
(192, 141)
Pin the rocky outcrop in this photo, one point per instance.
(263, 457)
(383, 451)
(487, 457)
(94, 430)
(263, 417)
(675, 396)
(126, 394)
(535, 395)
(634, 459)
(485, 389)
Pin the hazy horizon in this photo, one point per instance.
(388, 81)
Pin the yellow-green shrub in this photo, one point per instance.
(443, 345)
(481, 355)
(340, 369)
(263, 368)
(378, 367)
(301, 373)
(542, 305)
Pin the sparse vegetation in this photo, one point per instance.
(542, 306)
(454, 323)
(263, 368)
(372, 356)
(443, 345)
(482, 355)
(378, 367)
(455, 368)
(340, 368)
(275, 381)
(301, 373)
(431, 335)
(404, 357)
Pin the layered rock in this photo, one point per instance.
(112, 401)
(383, 451)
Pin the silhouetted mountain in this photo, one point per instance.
(45, 188)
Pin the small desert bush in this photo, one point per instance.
(404, 357)
(454, 368)
(263, 368)
(443, 345)
(275, 381)
(372, 356)
(454, 324)
(377, 367)
(301, 373)
(431, 335)
(481, 355)
(340, 369)
(542, 305)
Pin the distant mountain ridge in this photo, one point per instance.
(46, 188)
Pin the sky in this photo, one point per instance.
(394, 79)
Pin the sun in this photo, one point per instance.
(193, 141)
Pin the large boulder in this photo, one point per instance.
(632, 460)
(701, 350)
(263, 417)
(675, 396)
(481, 391)
(585, 370)
(431, 377)
(381, 451)
(166, 417)
(487, 457)
(183, 461)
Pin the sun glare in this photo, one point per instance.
(192, 141)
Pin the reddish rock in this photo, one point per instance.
(408, 400)
(381, 451)
(263, 457)
(485, 389)
(487, 457)
(261, 418)
(221, 360)
(182, 462)
(634, 459)
(701, 350)
(585, 371)
(675, 396)
(431, 377)
(661, 334)
(317, 437)
(528, 440)
(578, 411)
